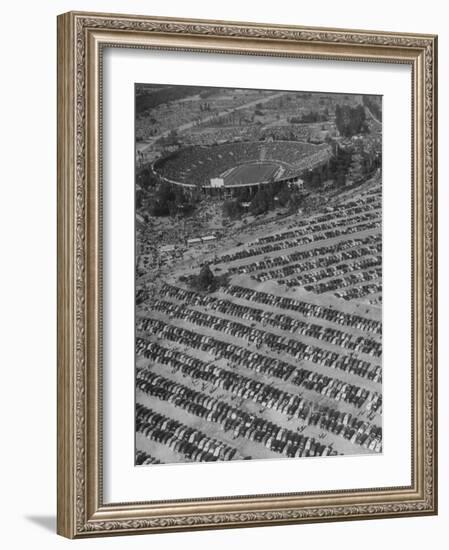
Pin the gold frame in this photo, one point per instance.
(81, 37)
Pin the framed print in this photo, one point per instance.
(246, 274)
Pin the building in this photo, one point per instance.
(167, 248)
(216, 183)
(208, 238)
(191, 242)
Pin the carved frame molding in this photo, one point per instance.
(81, 39)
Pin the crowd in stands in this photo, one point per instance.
(211, 134)
(198, 164)
(207, 133)
(300, 132)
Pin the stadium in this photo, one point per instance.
(240, 164)
(258, 309)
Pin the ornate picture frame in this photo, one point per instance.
(82, 38)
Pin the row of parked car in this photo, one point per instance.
(361, 292)
(240, 356)
(329, 260)
(254, 250)
(307, 309)
(292, 405)
(266, 317)
(143, 458)
(232, 419)
(339, 213)
(182, 439)
(334, 285)
(296, 349)
(315, 226)
(319, 254)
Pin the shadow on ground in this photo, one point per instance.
(46, 522)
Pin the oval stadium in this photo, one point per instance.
(240, 164)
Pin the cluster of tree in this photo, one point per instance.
(205, 106)
(232, 209)
(266, 198)
(350, 120)
(364, 161)
(314, 179)
(139, 199)
(263, 200)
(146, 178)
(374, 104)
(152, 97)
(339, 167)
(311, 116)
(205, 280)
(244, 194)
(290, 197)
(169, 200)
(348, 166)
(335, 171)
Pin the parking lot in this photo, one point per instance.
(285, 360)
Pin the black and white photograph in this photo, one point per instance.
(258, 276)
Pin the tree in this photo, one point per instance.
(356, 170)
(243, 194)
(259, 203)
(172, 208)
(139, 201)
(284, 195)
(374, 104)
(169, 199)
(350, 120)
(316, 179)
(296, 200)
(197, 193)
(206, 279)
(232, 209)
(339, 166)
